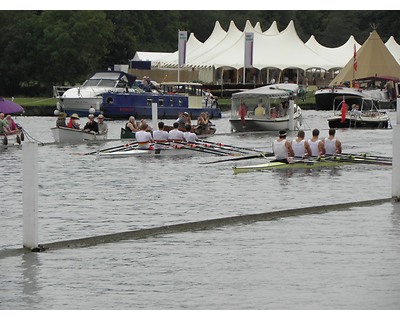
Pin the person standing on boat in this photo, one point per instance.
(315, 144)
(282, 148)
(301, 148)
(160, 136)
(103, 127)
(332, 145)
(91, 125)
(144, 137)
(73, 122)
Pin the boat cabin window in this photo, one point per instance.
(161, 102)
(171, 102)
(149, 102)
(190, 89)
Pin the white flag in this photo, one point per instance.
(182, 47)
(248, 49)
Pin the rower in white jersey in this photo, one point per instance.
(189, 136)
(160, 136)
(282, 148)
(143, 137)
(175, 135)
(315, 144)
(332, 145)
(301, 147)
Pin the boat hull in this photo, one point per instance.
(324, 97)
(144, 153)
(381, 122)
(12, 139)
(140, 105)
(254, 124)
(68, 135)
(281, 165)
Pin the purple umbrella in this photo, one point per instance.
(9, 107)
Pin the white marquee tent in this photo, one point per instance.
(340, 55)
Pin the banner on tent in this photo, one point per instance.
(248, 49)
(182, 47)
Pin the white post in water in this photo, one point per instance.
(154, 114)
(291, 115)
(396, 156)
(30, 194)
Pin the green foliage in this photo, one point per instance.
(42, 48)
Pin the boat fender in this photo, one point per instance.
(5, 140)
(22, 136)
(18, 139)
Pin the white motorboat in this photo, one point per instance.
(366, 115)
(88, 97)
(68, 135)
(265, 109)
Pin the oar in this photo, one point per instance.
(259, 155)
(228, 145)
(367, 156)
(358, 160)
(227, 152)
(116, 148)
(196, 148)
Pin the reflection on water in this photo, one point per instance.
(30, 269)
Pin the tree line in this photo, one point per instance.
(39, 49)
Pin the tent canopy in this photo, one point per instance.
(373, 59)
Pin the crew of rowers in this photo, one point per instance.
(288, 151)
(181, 132)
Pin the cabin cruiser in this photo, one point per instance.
(88, 97)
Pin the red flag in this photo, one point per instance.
(355, 58)
(344, 111)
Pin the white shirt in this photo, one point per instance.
(143, 139)
(298, 148)
(175, 134)
(330, 146)
(190, 136)
(314, 147)
(280, 150)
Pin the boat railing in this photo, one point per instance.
(58, 91)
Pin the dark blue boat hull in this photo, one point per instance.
(139, 105)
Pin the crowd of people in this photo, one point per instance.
(286, 150)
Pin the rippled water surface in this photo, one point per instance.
(347, 259)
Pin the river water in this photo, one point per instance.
(338, 260)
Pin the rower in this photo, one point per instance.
(143, 137)
(332, 145)
(315, 144)
(175, 135)
(188, 135)
(301, 147)
(282, 148)
(160, 136)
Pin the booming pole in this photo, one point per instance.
(30, 194)
(396, 156)
(154, 113)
